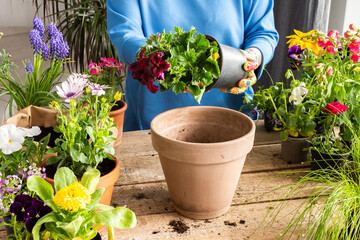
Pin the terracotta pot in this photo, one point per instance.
(118, 116)
(107, 181)
(295, 150)
(202, 152)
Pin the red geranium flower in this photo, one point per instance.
(335, 108)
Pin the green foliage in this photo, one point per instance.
(83, 223)
(192, 63)
(86, 134)
(34, 89)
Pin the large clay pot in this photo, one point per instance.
(118, 116)
(107, 181)
(295, 150)
(202, 152)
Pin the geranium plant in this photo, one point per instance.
(107, 75)
(39, 79)
(85, 126)
(74, 206)
(181, 61)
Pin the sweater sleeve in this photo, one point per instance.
(125, 28)
(259, 29)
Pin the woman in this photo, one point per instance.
(244, 24)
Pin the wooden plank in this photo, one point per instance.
(140, 168)
(239, 223)
(154, 198)
(137, 143)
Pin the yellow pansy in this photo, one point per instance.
(54, 105)
(73, 197)
(304, 40)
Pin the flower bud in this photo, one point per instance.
(319, 65)
(348, 34)
(87, 90)
(353, 27)
(329, 71)
(334, 34)
(103, 99)
(117, 96)
(72, 103)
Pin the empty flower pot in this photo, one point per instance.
(202, 152)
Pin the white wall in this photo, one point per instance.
(16, 13)
(343, 13)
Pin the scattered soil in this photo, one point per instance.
(105, 167)
(232, 224)
(139, 196)
(155, 232)
(44, 132)
(207, 221)
(242, 221)
(179, 226)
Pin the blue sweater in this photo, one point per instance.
(237, 23)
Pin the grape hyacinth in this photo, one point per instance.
(36, 41)
(29, 67)
(38, 25)
(59, 49)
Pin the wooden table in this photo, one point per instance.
(142, 188)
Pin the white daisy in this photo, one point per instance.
(73, 87)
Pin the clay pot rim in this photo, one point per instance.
(104, 178)
(120, 110)
(251, 132)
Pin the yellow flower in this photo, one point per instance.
(118, 96)
(54, 105)
(215, 56)
(72, 197)
(293, 133)
(304, 40)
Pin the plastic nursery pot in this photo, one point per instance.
(9, 229)
(322, 160)
(118, 116)
(295, 150)
(268, 121)
(231, 63)
(107, 181)
(202, 152)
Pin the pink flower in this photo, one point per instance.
(319, 65)
(335, 108)
(73, 87)
(334, 34)
(92, 65)
(354, 47)
(353, 27)
(348, 34)
(329, 71)
(355, 58)
(97, 89)
(93, 71)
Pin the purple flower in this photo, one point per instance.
(38, 25)
(19, 206)
(53, 31)
(36, 41)
(34, 212)
(29, 67)
(295, 54)
(59, 49)
(73, 87)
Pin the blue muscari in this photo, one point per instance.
(29, 67)
(38, 25)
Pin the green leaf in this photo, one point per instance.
(73, 227)
(284, 135)
(95, 198)
(42, 188)
(119, 217)
(179, 87)
(201, 42)
(212, 67)
(64, 177)
(90, 180)
(50, 217)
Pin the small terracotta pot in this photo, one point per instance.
(107, 181)
(295, 150)
(118, 116)
(202, 152)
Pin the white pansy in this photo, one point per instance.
(30, 132)
(11, 139)
(298, 94)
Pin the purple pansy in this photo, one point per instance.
(19, 206)
(294, 54)
(34, 212)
